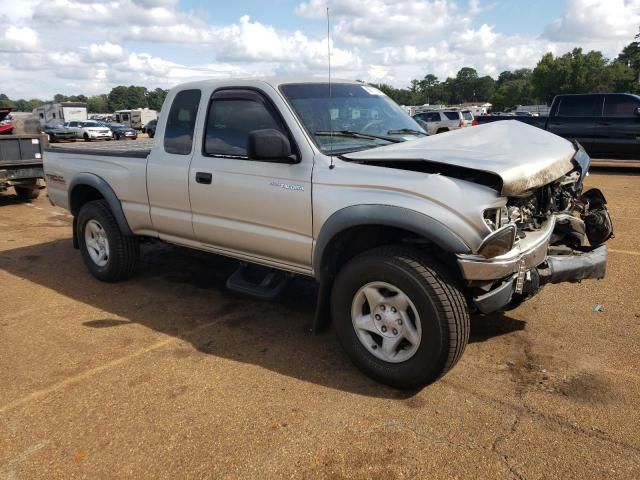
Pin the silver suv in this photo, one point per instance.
(442, 120)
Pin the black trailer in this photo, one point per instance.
(21, 165)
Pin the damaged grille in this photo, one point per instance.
(529, 211)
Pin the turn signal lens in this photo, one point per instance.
(499, 242)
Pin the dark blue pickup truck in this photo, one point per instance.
(605, 124)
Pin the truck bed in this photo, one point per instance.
(113, 148)
(539, 122)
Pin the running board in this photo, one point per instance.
(261, 282)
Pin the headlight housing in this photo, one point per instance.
(496, 218)
(499, 242)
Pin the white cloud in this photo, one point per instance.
(93, 45)
(588, 20)
(104, 51)
(19, 39)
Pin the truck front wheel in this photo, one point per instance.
(399, 316)
(109, 255)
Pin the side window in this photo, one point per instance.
(620, 105)
(178, 135)
(452, 115)
(433, 117)
(232, 117)
(580, 106)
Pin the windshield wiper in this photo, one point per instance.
(354, 134)
(406, 130)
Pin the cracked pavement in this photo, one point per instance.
(168, 375)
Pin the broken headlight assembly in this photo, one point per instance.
(499, 242)
(496, 218)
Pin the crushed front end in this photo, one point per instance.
(551, 234)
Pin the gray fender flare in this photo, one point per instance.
(390, 216)
(107, 192)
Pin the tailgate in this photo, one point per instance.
(20, 150)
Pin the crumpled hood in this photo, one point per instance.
(524, 157)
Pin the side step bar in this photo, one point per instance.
(261, 282)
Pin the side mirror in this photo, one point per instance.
(271, 146)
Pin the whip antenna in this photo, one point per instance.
(330, 93)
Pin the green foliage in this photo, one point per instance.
(6, 101)
(155, 98)
(121, 98)
(98, 104)
(573, 72)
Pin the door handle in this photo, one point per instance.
(204, 177)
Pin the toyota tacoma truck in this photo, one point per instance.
(405, 234)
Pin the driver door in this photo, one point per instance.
(245, 207)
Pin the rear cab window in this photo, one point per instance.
(178, 134)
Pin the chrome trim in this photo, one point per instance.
(529, 252)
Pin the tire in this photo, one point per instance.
(442, 130)
(117, 136)
(26, 194)
(151, 134)
(437, 315)
(86, 137)
(96, 222)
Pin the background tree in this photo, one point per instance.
(123, 98)
(6, 101)
(98, 104)
(155, 98)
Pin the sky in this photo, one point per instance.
(88, 47)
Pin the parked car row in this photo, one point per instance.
(88, 131)
(440, 121)
(150, 128)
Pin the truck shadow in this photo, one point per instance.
(182, 293)
(8, 198)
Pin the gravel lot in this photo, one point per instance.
(170, 376)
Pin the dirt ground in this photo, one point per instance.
(168, 375)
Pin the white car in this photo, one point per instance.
(442, 120)
(89, 130)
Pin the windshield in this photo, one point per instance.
(359, 116)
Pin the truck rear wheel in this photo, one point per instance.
(109, 255)
(399, 316)
(27, 194)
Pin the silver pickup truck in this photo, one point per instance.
(406, 234)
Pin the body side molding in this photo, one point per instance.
(388, 216)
